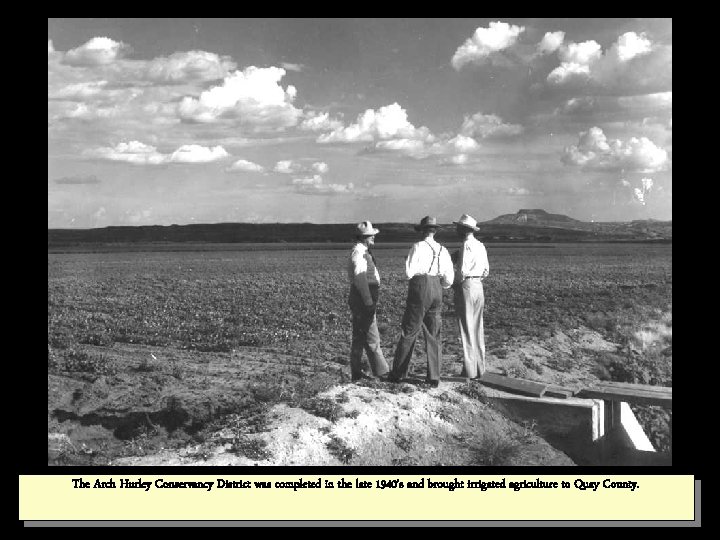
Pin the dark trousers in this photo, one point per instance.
(366, 336)
(423, 310)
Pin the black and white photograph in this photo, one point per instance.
(359, 242)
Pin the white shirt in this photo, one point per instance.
(429, 257)
(474, 259)
(362, 271)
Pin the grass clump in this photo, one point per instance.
(474, 391)
(337, 447)
(494, 450)
(324, 408)
(253, 448)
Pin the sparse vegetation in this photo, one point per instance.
(79, 361)
(494, 449)
(323, 407)
(253, 448)
(216, 303)
(337, 447)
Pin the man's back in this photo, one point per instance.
(428, 257)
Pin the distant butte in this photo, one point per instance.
(534, 215)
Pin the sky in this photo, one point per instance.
(177, 121)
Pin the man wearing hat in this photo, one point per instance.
(364, 284)
(471, 267)
(429, 269)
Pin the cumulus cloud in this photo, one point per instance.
(288, 166)
(630, 45)
(594, 151)
(195, 153)
(575, 62)
(80, 91)
(309, 181)
(134, 152)
(550, 42)
(637, 194)
(518, 191)
(285, 166)
(421, 149)
(486, 42)
(292, 67)
(245, 165)
(139, 153)
(320, 167)
(460, 143)
(80, 111)
(78, 180)
(251, 97)
(487, 126)
(105, 57)
(425, 144)
(182, 67)
(320, 122)
(632, 64)
(409, 146)
(98, 51)
(581, 53)
(389, 122)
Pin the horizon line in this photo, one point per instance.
(319, 224)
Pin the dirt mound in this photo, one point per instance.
(376, 425)
(156, 405)
(153, 397)
(161, 406)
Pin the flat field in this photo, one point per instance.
(156, 349)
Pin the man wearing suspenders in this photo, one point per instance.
(430, 270)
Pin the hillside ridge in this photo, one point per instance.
(527, 225)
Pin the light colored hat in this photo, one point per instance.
(468, 222)
(428, 222)
(365, 229)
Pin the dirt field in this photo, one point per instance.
(228, 357)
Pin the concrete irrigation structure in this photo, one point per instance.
(593, 425)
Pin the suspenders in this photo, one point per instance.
(435, 256)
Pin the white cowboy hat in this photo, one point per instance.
(365, 229)
(467, 221)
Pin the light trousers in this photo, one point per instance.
(469, 306)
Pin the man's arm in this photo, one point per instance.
(483, 260)
(411, 262)
(447, 272)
